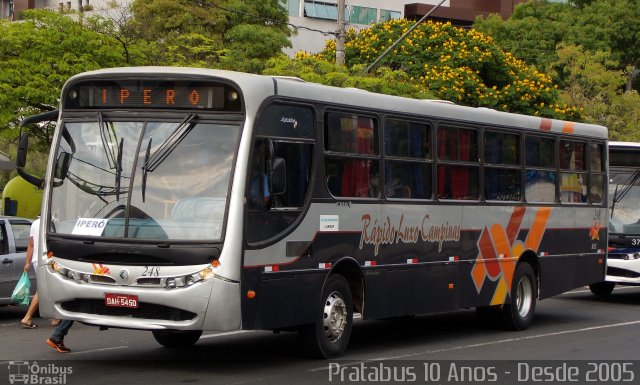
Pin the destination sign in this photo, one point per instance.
(150, 94)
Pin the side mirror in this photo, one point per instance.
(62, 165)
(23, 146)
(278, 175)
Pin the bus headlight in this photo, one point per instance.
(171, 283)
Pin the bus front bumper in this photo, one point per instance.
(212, 304)
(623, 269)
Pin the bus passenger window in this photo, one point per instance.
(596, 173)
(540, 174)
(458, 181)
(352, 163)
(407, 166)
(502, 174)
(573, 178)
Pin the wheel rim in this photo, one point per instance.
(524, 297)
(334, 317)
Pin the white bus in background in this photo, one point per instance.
(623, 258)
(221, 201)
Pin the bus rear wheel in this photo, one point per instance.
(518, 314)
(329, 335)
(603, 289)
(177, 338)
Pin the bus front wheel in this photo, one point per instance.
(603, 289)
(177, 338)
(329, 335)
(518, 314)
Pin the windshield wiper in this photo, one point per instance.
(107, 139)
(627, 186)
(166, 148)
(144, 173)
(119, 168)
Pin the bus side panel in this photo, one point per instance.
(411, 290)
(282, 299)
(559, 274)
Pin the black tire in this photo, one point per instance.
(328, 336)
(603, 289)
(177, 338)
(518, 314)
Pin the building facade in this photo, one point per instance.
(314, 21)
(10, 9)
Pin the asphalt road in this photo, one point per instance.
(574, 336)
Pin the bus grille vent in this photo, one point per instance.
(144, 310)
(614, 271)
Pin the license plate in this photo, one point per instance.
(121, 300)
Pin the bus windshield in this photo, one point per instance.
(624, 190)
(143, 179)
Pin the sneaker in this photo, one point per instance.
(59, 346)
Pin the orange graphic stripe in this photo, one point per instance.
(514, 223)
(537, 229)
(545, 124)
(567, 127)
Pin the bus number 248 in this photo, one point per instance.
(151, 271)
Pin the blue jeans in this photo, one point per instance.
(61, 330)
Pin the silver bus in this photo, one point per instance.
(182, 200)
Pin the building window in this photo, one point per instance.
(319, 10)
(386, 15)
(293, 7)
(363, 15)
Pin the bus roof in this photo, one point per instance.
(263, 87)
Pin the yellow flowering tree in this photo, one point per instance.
(463, 66)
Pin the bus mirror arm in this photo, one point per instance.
(23, 146)
(21, 161)
(278, 175)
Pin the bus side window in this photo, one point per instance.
(459, 180)
(408, 163)
(284, 136)
(540, 173)
(502, 173)
(573, 176)
(352, 165)
(596, 173)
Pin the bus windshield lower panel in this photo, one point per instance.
(143, 180)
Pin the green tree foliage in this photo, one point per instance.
(315, 70)
(37, 55)
(532, 32)
(232, 34)
(593, 83)
(463, 66)
(613, 25)
(603, 36)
